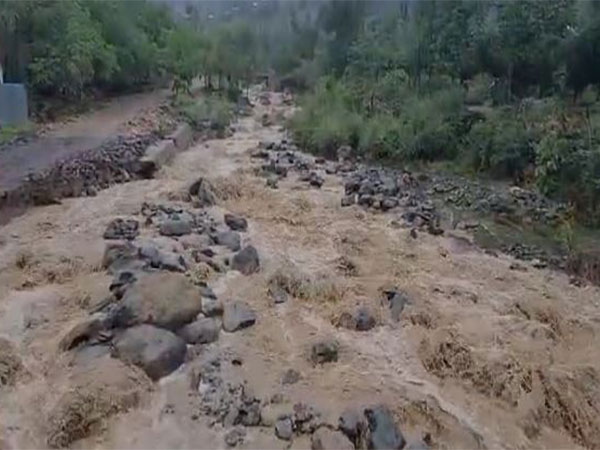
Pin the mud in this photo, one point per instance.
(481, 356)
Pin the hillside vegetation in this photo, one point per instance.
(501, 89)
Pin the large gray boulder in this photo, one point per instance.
(165, 299)
(236, 223)
(238, 315)
(229, 239)
(201, 193)
(176, 226)
(202, 331)
(157, 351)
(246, 261)
(383, 432)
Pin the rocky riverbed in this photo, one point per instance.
(253, 296)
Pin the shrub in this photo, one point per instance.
(208, 112)
(566, 168)
(502, 145)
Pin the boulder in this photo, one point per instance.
(202, 331)
(348, 200)
(388, 203)
(383, 432)
(326, 439)
(122, 229)
(364, 319)
(246, 261)
(272, 412)
(397, 300)
(175, 226)
(211, 307)
(202, 193)
(366, 200)
(238, 315)
(165, 299)
(118, 256)
(229, 239)
(283, 429)
(182, 136)
(360, 320)
(157, 351)
(324, 351)
(352, 424)
(236, 223)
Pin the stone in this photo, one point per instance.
(157, 351)
(211, 307)
(278, 294)
(229, 239)
(175, 227)
(360, 320)
(283, 429)
(366, 200)
(388, 203)
(272, 181)
(249, 414)
(273, 412)
(324, 351)
(236, 223)
(290, 376)
(171, 261)
(364, 319)
(122, 229)
(202, 193)
(120, 282)
(326, 439)
(246, 261)
(235, 436)
(118, 255)
(397, 300)
(348, 200)
(238, 315)
(202, 331)
(316, 180)
(344, 152)
(166, 299)
(352, 424)
(195, 241)
(383, 432)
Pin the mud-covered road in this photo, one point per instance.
(416, 339)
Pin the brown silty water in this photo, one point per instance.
(482, 357)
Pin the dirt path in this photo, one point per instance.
(63, 139)
(481, 357)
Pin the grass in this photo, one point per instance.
(10, 132)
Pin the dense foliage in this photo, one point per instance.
(503, 88)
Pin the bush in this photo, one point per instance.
(502, 145)
(426, 127)
(327, 119)
(566, 168)
(208, 112)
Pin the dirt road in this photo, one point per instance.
(63, 139)
(481, 356)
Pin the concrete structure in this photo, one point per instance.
(13, 104)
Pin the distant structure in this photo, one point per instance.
(13, 103)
